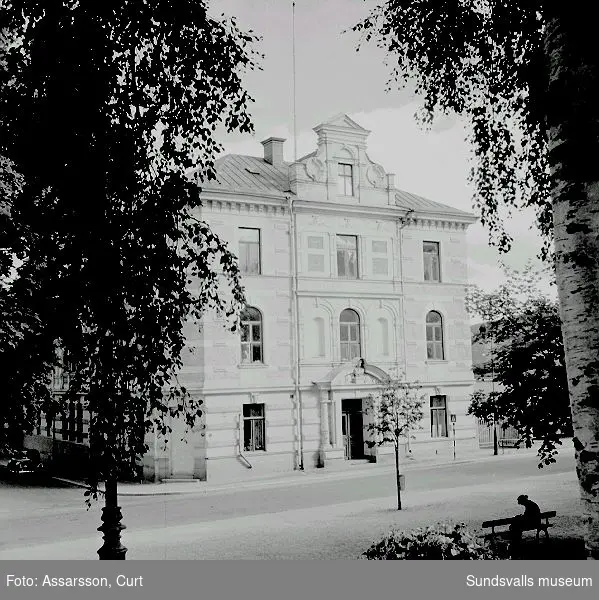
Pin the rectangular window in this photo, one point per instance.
(438, 416)
(347, 256)
(251, 336)
(345, 180)
(432, 271)
(249, 251)
(254, 426)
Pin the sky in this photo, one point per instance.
(332, 78)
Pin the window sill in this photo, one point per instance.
(436, 362)
(252, 366)
(251, 453)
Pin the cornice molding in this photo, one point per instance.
(245, 207)
(240, 202)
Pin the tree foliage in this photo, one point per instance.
(484, 61)
(522, 338)
(443, 541)
(105, 106)
(395, 411)
(525, 77)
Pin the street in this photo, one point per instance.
(317, 519)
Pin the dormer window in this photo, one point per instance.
(345, 179)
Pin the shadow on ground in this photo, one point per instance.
(566, 542)
(31, 482)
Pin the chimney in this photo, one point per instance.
(273, 151)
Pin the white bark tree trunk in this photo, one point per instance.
(573, 127)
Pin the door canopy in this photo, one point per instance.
(355, 372)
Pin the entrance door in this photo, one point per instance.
(352, 426)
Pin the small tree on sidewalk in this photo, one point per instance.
(396, 410)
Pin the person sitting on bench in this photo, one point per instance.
(530, 519)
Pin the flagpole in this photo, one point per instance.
(294, 88)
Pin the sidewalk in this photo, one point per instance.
(342, 530)
(195, 486)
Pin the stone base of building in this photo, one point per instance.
(249, 466)
(69, 460)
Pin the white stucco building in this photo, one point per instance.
(347, 279)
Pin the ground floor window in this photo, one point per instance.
(438, 416)
(254, 426)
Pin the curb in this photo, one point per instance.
(197, 487)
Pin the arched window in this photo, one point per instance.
(349, 335)
(434, 336)
(251, 336)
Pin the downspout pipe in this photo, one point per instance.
(296, 329)
(402, 222)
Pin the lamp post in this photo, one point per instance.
(112, 548)
(453, 420)
(483, 330)
(495, 441)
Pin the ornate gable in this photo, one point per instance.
(341, 120)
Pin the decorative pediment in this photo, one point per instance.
(342, 120)
(357, 372)
(342, 130)
(360, 378)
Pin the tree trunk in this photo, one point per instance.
(397, 477)
(572, 118)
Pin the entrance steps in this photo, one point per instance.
(346, 465)
(179, 480)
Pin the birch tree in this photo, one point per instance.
(395, 411)
(525, 78)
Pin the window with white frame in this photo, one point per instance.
(434, 336)
(345, 179)
(254, 427)
(438, 409)
(432, 270)
(349, 335)
(347, 256)
(251, 336)
(249, 250)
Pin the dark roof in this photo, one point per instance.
(238, 172)
(418, 203)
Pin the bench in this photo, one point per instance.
(508, 442)
(508, 521)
